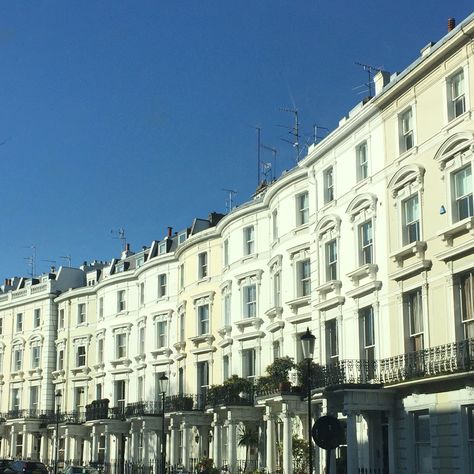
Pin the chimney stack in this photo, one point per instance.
(451, 24)
(170, 231)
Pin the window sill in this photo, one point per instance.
(405, 154)
(367, 270)
(250, 256)
(203, 280)
(196, 340)
(274, 311)
(58, 373)
(245, 322)
(80, 370)
(460, 227)
(225, 330)
(362, 182)
(298, 302)
(456, 121)
(301, 228)
(162, 298)
(418, 248)
(328, 287)
(162, 351)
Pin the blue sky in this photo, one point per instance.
(136, 114)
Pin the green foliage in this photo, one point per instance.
(248, 438)
(300, 450)
(206, 464)
(279, 368)
(315, 377)
(229, 392)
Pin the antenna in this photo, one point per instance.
(53, 264)
(274, 151)
(120, 235)
(68, 260)
(294, 131)
(258, 154)
(370, 70)
(230, 203)
(316, 137)
(31, 260)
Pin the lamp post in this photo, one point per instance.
(57, 397)
(307, 342)
(163, 388)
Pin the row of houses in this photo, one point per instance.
(368, 242)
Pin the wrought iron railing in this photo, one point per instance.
(185, 402)
(431, 362)
(144, 409)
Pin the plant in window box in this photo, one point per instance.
(265, 385)
(180, 403)
(278, 372)
(235, 386)
(315, 376)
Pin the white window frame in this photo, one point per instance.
(331, 264)
(162, 248)
(328, 184)
(17, 358)
(275, 225)
(249, 240)
(414, 314)
(366, 245)
(100, 350)
(465, 287)
(203, 262)
(121, 345)
(454, 100)
(203, 322)
(249, 301)
(303, 278)
(362, 160)
(161, 334)
(81, 357)
(331, 331)
(35, 356)
(276, 281)
(249, 364)
(410, 226)
(162, 284)
(182, 236)
(406, 136)
(121, 301)
(37, 318)
(302, 208)
(465, 197)
(19, 322)
(81, 313)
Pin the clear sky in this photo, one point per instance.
(136, 114)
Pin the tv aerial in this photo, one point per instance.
(230, 203)
(294, 131)
(119, 235)
(370, 72)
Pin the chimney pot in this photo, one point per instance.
(451, 24)
(127, 247)
(170, 231)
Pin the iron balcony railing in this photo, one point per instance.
(435, 361)
(186, 402)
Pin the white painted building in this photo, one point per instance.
(367, 242)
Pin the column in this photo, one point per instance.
(173, 446)
(12, 442)
(133, 450)
(146, 446)
(287, 442)
(26, 443)
(391, 442)
(270, 435)
(217, 441)
(184, 452)
(94, 444)
(231, 445)
(107, 445)
(352, 455)
(43, 454)
(67, 445)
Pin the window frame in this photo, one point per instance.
(328, 184)
(81, 313)
(331, 266)
(366, 246)
(203, 322)
(303, 278)
(362, 166)
(121, 349)
(249, 304)
(452, 101)
(203, 263)
(162, 285)
(80, 356)
(412, 226)
(249, 240)
(302, 208)
(406, 134)
(36, 318)
(455, 200)
(121, 301)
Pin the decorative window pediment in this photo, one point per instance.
(206, 298)
(275, 263)
(226, 287)
(456, 145)
(36, 339)
(410, 176)
(363, 205)
(249, 278)
(162, 317)
(328, 227)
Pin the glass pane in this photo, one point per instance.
(463, 182)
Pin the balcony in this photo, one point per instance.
(446, 359)
(100, 410)
(178, 403)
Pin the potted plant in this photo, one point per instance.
(278, 372)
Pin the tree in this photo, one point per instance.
(248, 438)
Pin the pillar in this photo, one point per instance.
(270, 438)
(67, 445)
(43, 454)
(12, 442)
(107, 445)
(352, 455)
(184, 452)
(94, 444)
(217, 442)
(133, 449)
(232, 445)
(173, 445)
(287, 442)
(391, 442)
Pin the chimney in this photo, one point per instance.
(381, 79)
(451, 24)
(170, 231)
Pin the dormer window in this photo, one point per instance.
(182, 238)
(162, 248)
(139, 261)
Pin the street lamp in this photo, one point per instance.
(163, 388)
(57, 396)
(307, 342)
